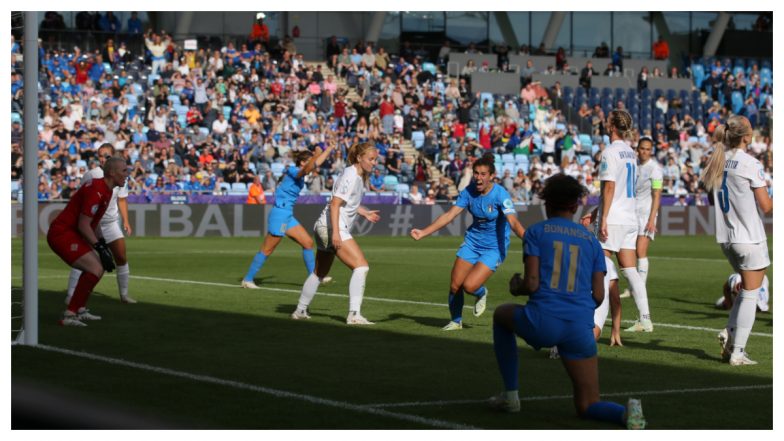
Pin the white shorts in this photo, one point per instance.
(747, 256)
(620, 237)
(642, 223)
(324, 237)
(111, 231)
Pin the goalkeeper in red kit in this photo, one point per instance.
(75, 236)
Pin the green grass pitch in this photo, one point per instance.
(200, 352)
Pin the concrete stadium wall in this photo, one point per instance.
(200, 220)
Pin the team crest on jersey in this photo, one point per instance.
(603, 166)
(489, 208)
(74, 246)
(508, 204)
(94, 209)
(761, 173)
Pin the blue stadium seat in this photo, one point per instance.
(390, 182)
(521, 158)
(181, 120)
(737, 71)
(497, 158)
(402, 188)
(418, 139)
(225, 186)
(227, 112)
(239, 186)
(277, 169)
(204, 131)
(524, 167)
(174, 99)
(737, 102)
(15, 117)
(507, 158)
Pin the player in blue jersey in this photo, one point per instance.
(486, 241)
(564, 275)
(281, 219)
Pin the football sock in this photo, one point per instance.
(123, 274)
(606, 411)
(84, 287)
(456, 306)
(479, 293)
(255, 266)
(73, 279)
(642, 269)
(639, 293)
(601, 311)
(747, 310)
(309, 289)
(356, 288)
(505, 347)
(310, 259)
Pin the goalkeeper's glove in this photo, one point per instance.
(107, 260)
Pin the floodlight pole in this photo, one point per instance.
(30, 174)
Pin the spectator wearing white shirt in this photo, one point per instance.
(414, 195)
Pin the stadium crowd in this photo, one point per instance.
(216, 121)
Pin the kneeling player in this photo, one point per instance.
(564, 275)
(74, 236)
(732, 288)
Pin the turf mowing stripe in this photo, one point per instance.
(563, 397)
(264, 390)
(409, 302)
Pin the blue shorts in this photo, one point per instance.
(491, 258)
(575, 340)
(280, 221)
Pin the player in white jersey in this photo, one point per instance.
(616, 222)
(739, 189)
(110, 228)
(649, 189)
(333, 234)
(732, 288)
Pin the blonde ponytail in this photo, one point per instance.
(726, 137)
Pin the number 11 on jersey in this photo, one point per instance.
(555, 278)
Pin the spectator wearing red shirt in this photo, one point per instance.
(661, 49)
(339, 108)
(72, 236)
(82, 69)
(193, 117)
(276, 88)
(484, 137)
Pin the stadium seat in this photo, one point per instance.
(14, 186)
(418, 139)
(225, 187)
(507, 158)
(390, 182)
(522, 166)
(239, 186)
(277, 169)
(227, 112)
(737, 71)
(737, 102)
(402, 188)
(181, 120)
(15, 117)
(521, 159)
(174, 99)
(204, 131)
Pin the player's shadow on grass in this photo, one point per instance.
(390, 363)
(430, 322)
(259, 280)
(656, 345)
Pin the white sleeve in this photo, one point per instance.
(122, 193)
(754, 172)
(607, 167)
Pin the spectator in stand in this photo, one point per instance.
(376, 182)
(617, 58)
(259, 33)
(586, 74)
(661, 49)
(109, 23)
(642, 79)
(134, 25)
(415, 196)
(157, 47)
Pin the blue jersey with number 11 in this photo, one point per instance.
(568, 254)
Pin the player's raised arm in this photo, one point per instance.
(439, 223)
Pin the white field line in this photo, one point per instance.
(390, 249)
(563, 397)
(386, 300)
(431, 422)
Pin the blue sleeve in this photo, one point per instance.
(504, 201)
(531, 242)
(292, 171)
(599, 266)
(463, 199)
